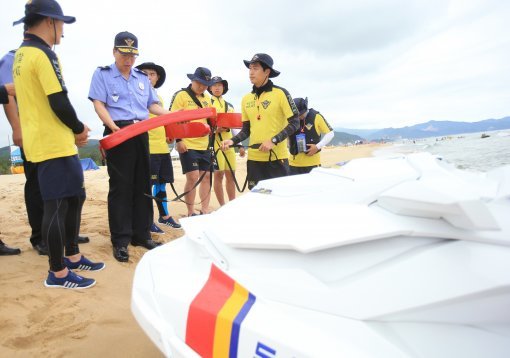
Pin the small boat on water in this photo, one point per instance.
(403, 256)
(484, 135)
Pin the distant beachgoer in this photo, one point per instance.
(51, 131)
(162, 171)
(33, 200)
(123, 95)
(311, 125)
(222, 170)
(269, 117)
(194, 152)
(7, 90)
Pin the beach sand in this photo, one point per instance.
(40, 322)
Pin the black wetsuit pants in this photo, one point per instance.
(33, 200)
(60, 228)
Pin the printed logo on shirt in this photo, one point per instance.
(250, 104)
(309, 126)
(266, 104)
(292, 104)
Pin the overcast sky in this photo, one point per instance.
(363, 64)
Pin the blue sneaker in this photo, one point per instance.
(169, 222)
(84, 264)
(71, 281)
(156, 230)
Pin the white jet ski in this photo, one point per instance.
(383, 257)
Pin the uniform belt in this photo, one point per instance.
(125, 122)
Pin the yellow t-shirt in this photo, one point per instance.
(37, 74)
(182, 100)
(220, 104)
(303, 160)
(268, 115)
(157, 137)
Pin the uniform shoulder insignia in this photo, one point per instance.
(102, 68)
(139, 71)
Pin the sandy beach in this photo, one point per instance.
(39, 322)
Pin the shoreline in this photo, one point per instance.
(42, 322)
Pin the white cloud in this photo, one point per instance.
(363, 64)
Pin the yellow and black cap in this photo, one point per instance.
(266, 60)
(218, 79)
(126, 42)
(48, 8)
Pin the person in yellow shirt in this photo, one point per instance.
(222, 169)
(306, 143)
(269, 116)
(51, 131)
(194, 153)
(162, 171)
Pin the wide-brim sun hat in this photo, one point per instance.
(218, 79)
(265, 59)
(159, 70)
(48, 8)
(202, 75)
(301, 104)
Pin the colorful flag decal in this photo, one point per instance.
(216, 314)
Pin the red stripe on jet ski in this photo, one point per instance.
(204, 309)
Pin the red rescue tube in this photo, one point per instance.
(229, 120)
(187, 130)
(133, 130)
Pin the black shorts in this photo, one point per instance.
(61, 178)
(301, 170)
(195, 160)
(161, 169)
(257, 171)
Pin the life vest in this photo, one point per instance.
(306, 126)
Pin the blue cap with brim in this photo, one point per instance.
(202, 75)
(266, 60)
(48, 8)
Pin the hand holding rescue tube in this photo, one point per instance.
(131, 131)
(170, 121)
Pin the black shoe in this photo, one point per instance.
(7, 251)
(41, 249)
(83, 239)
(121, 253)
(149, 244)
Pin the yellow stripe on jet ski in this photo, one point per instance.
(225, 318)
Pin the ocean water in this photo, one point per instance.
(466, 151)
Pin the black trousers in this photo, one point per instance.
(33, 200)
(130, 211)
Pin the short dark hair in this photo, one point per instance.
(264, 66)
(33, 19)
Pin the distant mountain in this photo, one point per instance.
(432, 129)
(341, 138)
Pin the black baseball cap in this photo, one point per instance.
(266, 60)
(48, 8)
(126, 42)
